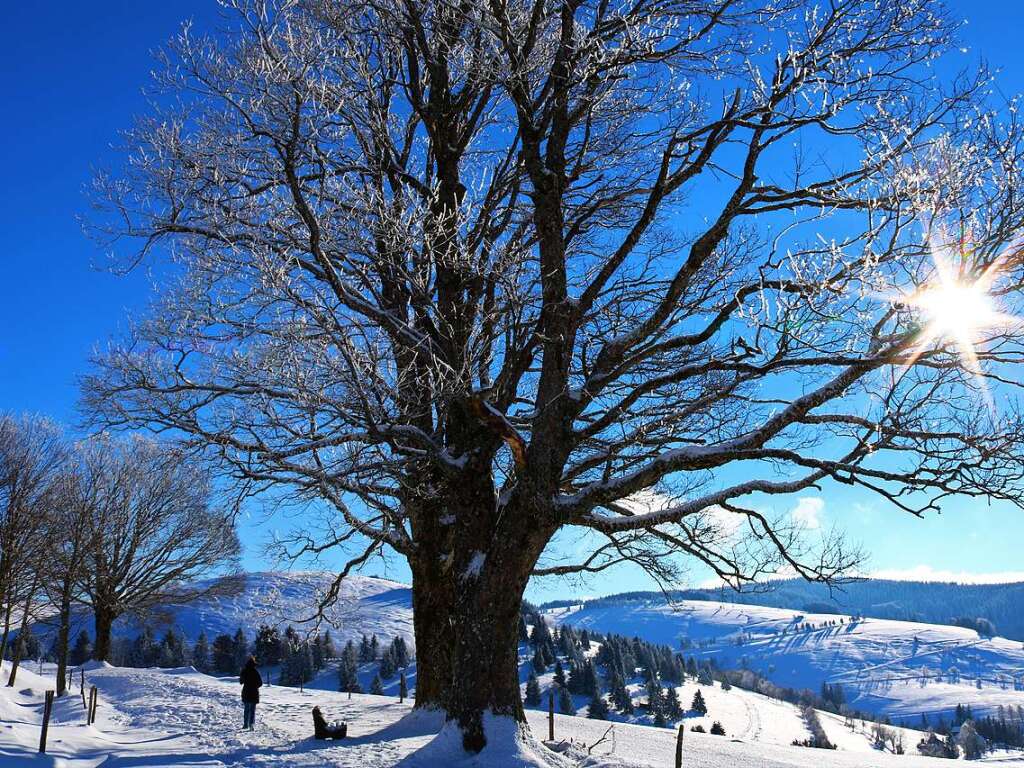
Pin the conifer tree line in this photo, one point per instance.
(391, 660)
(655, 672)
(104, 526)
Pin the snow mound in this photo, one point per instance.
(446, 749)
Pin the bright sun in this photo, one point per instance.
(958, 310)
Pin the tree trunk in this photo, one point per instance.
(104, 618)
(63, 637)
(7, 630)
(467, 594)
(19, 647)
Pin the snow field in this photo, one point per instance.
(164, 718)
(898, 668)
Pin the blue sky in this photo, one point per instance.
(73, 78)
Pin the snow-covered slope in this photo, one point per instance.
(901, 669)
(365, 605)
(163, 718)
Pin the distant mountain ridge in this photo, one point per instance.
(922, 601)
(365, 604)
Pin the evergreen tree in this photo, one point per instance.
(698, 704)
(376, 687)
(366, 650)
(717, 729)
(691, 667)
(654, 694)
(81, 651)
(403, 686)
(267, 646)
(559, 678)
(399, 652)
(374, 648)
(524, 632)
(532, 691)
(971, 742)
(598, 707)
(565, 703)
(328, 651)
(348, 671)
(172, 649)
(201, 653)
(144, 651)
(673, 709)
(241, 649)
(704, 676)
(223, 655)
(726, 685)
(591, 685)
(538, 660)
(387, 666)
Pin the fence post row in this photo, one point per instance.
(93, 700)
(47, 709)
(679, 746)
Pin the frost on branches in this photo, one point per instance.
(465, 275)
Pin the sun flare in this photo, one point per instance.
(958, 310)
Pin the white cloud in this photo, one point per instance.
(928, 573)
(807, 511)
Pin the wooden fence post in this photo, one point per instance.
(551, 715)
(47, 709)
(679, 745)
(93, 701)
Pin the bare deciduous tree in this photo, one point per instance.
(68, 527)
(151, 530)
(469, 274)
(32, 458)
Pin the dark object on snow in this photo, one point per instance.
(321, 729)
(251, 682)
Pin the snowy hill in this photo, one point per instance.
(365, 604)
(896, 668)
(179, 717)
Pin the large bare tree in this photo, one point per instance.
(470, 274)
(151, 530)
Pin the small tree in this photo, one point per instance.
(971, 742)
(201, 653)
(532, 698)
(267, 646)
(565, 702)
(224, 655)
(598, 707)
(403, 686)
(348, 671)
(82, 649)
(698, 704)
(376, 687)
(717, 729)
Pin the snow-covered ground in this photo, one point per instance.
(182, 718)
(901, 669)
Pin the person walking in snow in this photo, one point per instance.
(251, 683)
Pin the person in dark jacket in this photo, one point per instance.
(251, 683)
